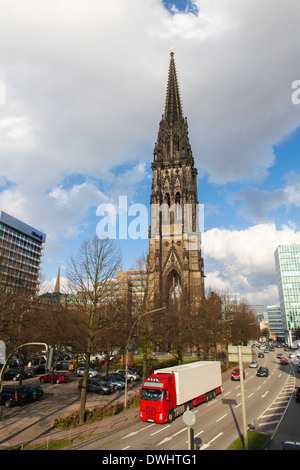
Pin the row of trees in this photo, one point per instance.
(93, 317)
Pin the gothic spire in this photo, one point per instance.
(173, 111)
(57, 284)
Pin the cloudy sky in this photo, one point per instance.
(82, 92)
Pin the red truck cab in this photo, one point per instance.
(158, 398)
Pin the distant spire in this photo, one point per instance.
(173, 111)
(57, 284)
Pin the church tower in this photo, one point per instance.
(175, 264)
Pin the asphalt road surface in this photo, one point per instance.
(219, 422)
(270, 408)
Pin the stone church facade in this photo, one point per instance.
(175, 263)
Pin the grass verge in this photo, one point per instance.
(255, 442)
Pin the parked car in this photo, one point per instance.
(62, 365)
(118, 384)
(119, 377)
(283, 361)
(292, 355)
(298, 368)
(134, 370)
(130, 375)
(97, 385)
(260, 354)
(235, 374)
(253, 364)
(289, 445)
(12, 395)
(92, 372)
(58, 377)
(34, 392)
(39, 369)
(15, 374)
(297, 394)
(262, 372)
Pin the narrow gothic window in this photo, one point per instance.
(177, 202)
(176, 144)
(167, 199)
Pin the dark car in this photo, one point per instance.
(15, 374)
(11, 395)
(235, 374)
(118, 384)
(63, 365)
(97, 385)
(116, 376)
(297, 394)
(284, 361)
(56, 377)
(39, 369)
(34, 392)
(260, 354)
(262, 372)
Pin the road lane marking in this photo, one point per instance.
(221, 418)
(210, 442)
(170, 437)
(162, 429)
(136, 432)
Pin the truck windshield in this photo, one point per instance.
(152, 394)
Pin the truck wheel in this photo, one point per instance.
(170, 416)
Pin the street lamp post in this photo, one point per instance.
(243, 398)
(22, 345)
(127, 348)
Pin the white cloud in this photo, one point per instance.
(243, 260)
(85, 86)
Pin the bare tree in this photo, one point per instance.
(91, 274)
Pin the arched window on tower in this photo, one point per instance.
(168, 146)
(178, 206)
(173, 287)
(167, 199)
(176, 144)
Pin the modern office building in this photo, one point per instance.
(275, 322)
(258, 311)
(287, 262)
(21, 249)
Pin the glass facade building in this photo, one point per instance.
(20, 254)
(287, 262)
(275, 322)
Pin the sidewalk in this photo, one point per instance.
(37, 436)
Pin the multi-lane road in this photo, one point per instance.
(219, 422)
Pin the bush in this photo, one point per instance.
(96, 414)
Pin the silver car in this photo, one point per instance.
(130, 375)
(92, 372)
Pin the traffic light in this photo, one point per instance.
(50, 358)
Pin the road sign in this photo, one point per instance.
(233, 353)
(189, 418)
(2, 352)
